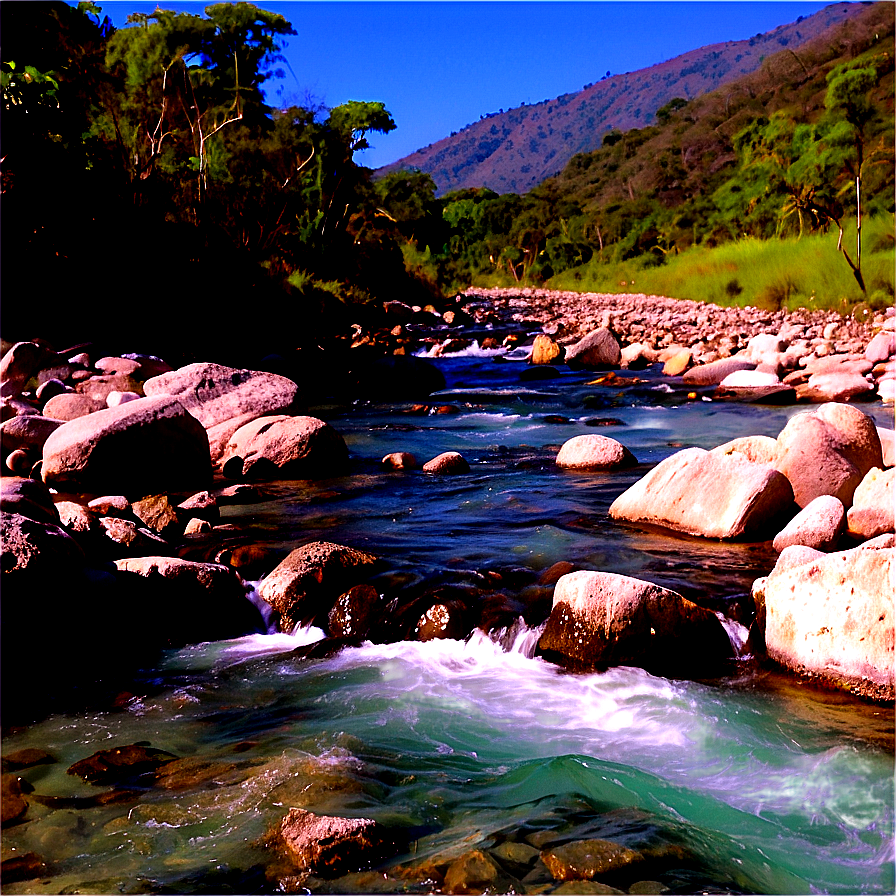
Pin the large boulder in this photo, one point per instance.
(29, 497)
(872, 511)
(29, 432)
(140, 447)
(304, 587)
(818, 525)
(713, 495)
(832, 617)
(35, 548)
(603, 619)
(828, 451)
(713, 373)
(299, 447)
(599, 350)
(70, 405)
(594, 452)
(213, 393)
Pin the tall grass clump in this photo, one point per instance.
(789, 273)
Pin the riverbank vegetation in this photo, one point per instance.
(146, 178)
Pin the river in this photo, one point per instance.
(751, 783)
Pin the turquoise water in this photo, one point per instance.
(754, 783)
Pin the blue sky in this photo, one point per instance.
(439, 66)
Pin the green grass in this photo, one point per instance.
(781, 273)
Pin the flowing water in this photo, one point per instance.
(753, 783)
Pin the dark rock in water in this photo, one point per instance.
(325, 648)
(447, 463)
(13, 804)
(355, 612)
(120, 765)
(604, 421)
(447, 619)
(27, 866)
(304, 587)
(477, 872)
(554, 573)
(534, 374)
(328, 845)
(28, 497)
(556, 420)
(394, 377)
(587, 859)
(26, 758)
(780, 394)
(602, 619)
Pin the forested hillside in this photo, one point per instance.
(514, 150)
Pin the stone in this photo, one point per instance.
(29, 432)
(757, 449)
(20, 462)
(157, 513)
(818, 525)
(76, 517)
(138, 448)
(836, 387)
(476, 872)
(305, 585)
(762, 344)
(36, 548)
(220, 434)
(50, 389)
(120, 765)
(446, 619)
(197, 527)
(827, 452)
(677, 363)
(588, 888)
(872, 512)
(749, 379)
(115, 398)
(295, 447)
(28, 497)
(125, 538)
(27, 757)
(21, 363)
(887, 445)
(329, 845)
(213, 393)
(447, 463)
(594, 452)
(192, 601)
(203, 506)
(833, 618)
(599, 350)
(881, 347)
(110, 505)
(713, 373)
(601, 619)
(400, 460)
(101, 386)
(355, 612)
(72, 405)
(122, 366)
(545, 350)
(13, 804)
(720, 496)
(587, 859)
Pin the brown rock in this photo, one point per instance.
(872, 511)
(76, 517)
(545, 350)
(305, 585)
(476, 872)
(587, 859)
(446, 619)
(213, 393)
(354, 612)
(37, 548)
(400, 460)
(594, 452)
(138, 448)
(603, 619)
(833, 618)
(202, 505)
(887, 445)
(26, 758)
(599, 350)
(447, 463)
(120, 765)
(72, 405)
(13, 804)
(28, 432)
(678, 363)
(713, 495)
(121, 366)
(818, 525)
(713, 373)
(29, 497)
(157, 513)
(100, 387)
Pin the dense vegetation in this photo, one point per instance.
(147, 186)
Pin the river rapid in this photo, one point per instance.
(752, 783)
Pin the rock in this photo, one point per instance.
(818, 525)
(202, 506)
(827, 452)
(591, 888)
(749, 379)
(72, 405)
(835, 387)
(446, 619)
(355, 612)
(587, 859)
(138, 448)
(599, 350)
(124, 538)
(110, 505)
(757, 449)
(213, 393)
(20, 462)
(157, 513)
(400, 460)
(545, 350)
(762, 344)
(21, 363)
(713, 373)
(220, 434)
(328, 845)
(296, 447)
(594, 452)
(713, 495)
(100, 387)
(29, 433)
(603, 619)
(833, 619)
(447, 463)
(122, 366)
(304, 586)
(678, 362)
(120, 765)
(882, 347)
(28, 497)
(637, 356)
(76, 518)
(115, 398)
(13, 805)
(887, 445)
(872, 511)
(50, 389)
(27, 757)
(476, 872)
(197, 527)
(192, 601)
(37, 548)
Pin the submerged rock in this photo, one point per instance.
(587, 859)
(714, 495)
(120, 764)
(603, 619)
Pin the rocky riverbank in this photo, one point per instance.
(114, 546)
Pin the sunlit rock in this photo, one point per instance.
(594, 452)
(818, 525)
(587, 859)
(447, 463)
(872, 511)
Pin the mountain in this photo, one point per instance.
(513, 151)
